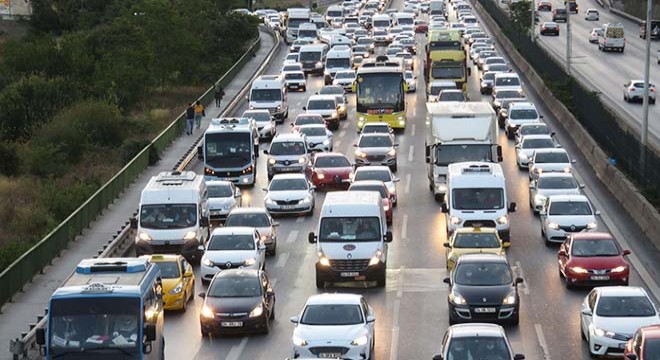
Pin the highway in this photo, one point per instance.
(412, 309)
(606, 72)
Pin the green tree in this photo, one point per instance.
(521, 17)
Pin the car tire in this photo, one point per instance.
(320, 284)
(652, 101)
(205, 333)
(184, 307)
(304, 88)
(381, 280)
(274, 251)
(267, 327)
(516, 319)
(394, 167)
(272, 313)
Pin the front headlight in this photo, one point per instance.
(400, 118)
(326, 142)
(207, 262)
(190, 235)
(360, 118)
(302, 160)
(456, 298)
(376, 258)
(334, 114)
(249, 261)
(299, 341)
(392, 152)
(601, 332)
(361, 341)
(177, 289)
(503, 220)
(306, 200)
(578, 270)
(320, 176)
(272, 161)
(269, 201)
(510, 299)
(567, 169)
(257, 311)
(144, 237)
(591, 225)
(319, 64)
(455, 220)
(361, 154)
(619, 269)
(539, 199)
(207, 312)
(553, 226)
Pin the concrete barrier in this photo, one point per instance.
(624, 191)
(626, 15)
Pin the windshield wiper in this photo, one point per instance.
(87, 350)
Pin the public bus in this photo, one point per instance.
(446, 58)
(109, 308)
(381, 92)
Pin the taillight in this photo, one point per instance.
(652, 89)
(631, 89)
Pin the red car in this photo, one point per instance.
(330, 170)
(421, 27)
(593, 259)
(645, 344)
(544, 5)
(381, 188)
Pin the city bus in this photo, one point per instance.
(381, 92)
(109, 308)
(446, 58)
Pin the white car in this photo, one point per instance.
(334, 326)
(378, 172)
(562, 215)
(258, 218)
(411, 80)
(538, 128)
(610, 316)
(528, 144)
(551, 184)
(319, 138)
(633, 90)
(231, 248)
(223, 197)
(289, 194)
(407, 58)
(292, 58)
(591, 15)
(345, 79)
(549, 160)
(519, 113)
(378, 127)
(266, 125)
(295, 80)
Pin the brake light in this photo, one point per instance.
(631, 88)
(652, 89)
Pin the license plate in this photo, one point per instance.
(294, 86)
(288, 169)
(288, 207)
(349, 274)
(329, 355)
(484, 310)
(231, 323)
(600, 277)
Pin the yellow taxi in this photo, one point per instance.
(472, 240)
(178, 280)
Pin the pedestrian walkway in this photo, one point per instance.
(29, 304)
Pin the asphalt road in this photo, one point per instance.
(412, 310)
(607, 71)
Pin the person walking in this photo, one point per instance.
(190, 118)
(199, 114)
(219, 94)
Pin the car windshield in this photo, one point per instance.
(534, 130)
(321, 105)
(342, 229)
(345, 75)
(310, 56)
(507, 94)
(249, 220)
(538, 144)
(557, 183)
(436, 89)
(523, 114)
(332, 162)
(375, 141)
(228, 242)
(287, 184)
(258, 116)
(652, 348)
(234, 286)
(338, 63)
(366, 41)
(381, 189)
(287, 148)
(489, 76)
(570, 208)
(551, 158)
(168, 269)
(451, 96)
(168, 216)
(332, 314)
(220, 191)
(482, 274)
(381, 175)
(594, 247)
(477, 198)
(294, 76)
(478, 348)
(266, 95)
(313, 131)
(360, 49)
(332, 90)
(307, 120)
(498, 67)
(294, 67)
(624, 306)
(476, 241)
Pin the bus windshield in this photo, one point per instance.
(380, 91)
(448, 154)
(228, 149)
(109, 327)
(355, 229)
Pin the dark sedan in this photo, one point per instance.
(549, 28)
(482, 289)
(238, 301)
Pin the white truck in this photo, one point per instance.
(295, 17)
(458, 132)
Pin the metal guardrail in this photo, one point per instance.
(122, 241)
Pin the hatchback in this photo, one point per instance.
(476, 341)
(633, 90)
(549, 28)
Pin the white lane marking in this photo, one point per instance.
(337, 143)
(281, 261)
(408, 181)
(404, 227)
(342, 133)
(542, 342)
(394, 349)
(344, 125)
(399, 290)
(525, 289)
(293, 235)
(300, 219)
(412, 131)
(411, 153)
(237, 350)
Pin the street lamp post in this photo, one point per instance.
(645, 116)
(531, 28)
(569, 40)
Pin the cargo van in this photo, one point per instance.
(351, 239)
(612, 38)
(269, 92)
(173, 216)
(339, 58)
(309, 32)
(312, 58)
(381, 22)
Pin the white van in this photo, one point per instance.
(352, 238)
(269, 92)
(312, 58)
(339, 58)
(612, 38)
(334, 11)
(406, 21)
(308, 32)
(476, 197)
(173, 216)
(381, 22)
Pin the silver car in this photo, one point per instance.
(223, 196)
(290, 194)
(530, 143)
(551, 184)
(319, 138)
(257, 218)
(376, 149)
(538, 128)
(266, 125)
(549, 160)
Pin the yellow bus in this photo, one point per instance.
(381, 93)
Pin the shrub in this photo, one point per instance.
(9, 161)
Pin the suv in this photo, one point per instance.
(326, 106)
(559, 15)
(287, 153)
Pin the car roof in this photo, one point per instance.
(373, 168)
(476, 329)
(289, 176)
(621, 291)
(233, 230)
(332, 97)
(592, 236)
(162, 257)
(555, 175)
(537, 136)
(248, 210)
(570, 198)
(522, 104)
(287, 137)
(328, 154)
(479, 257)
(242, 272)
(336, 298)
(218, 183)
(548, 151)
(651, 331)
(308, 126)
(367, 183)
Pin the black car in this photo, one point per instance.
(549, 28)
(559, 15)
(482, 289)
(238, 301)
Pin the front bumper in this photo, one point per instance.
(330, 181)
(299, 208)
(248, 324)
(367, 273)
(219, 214)
(603, 345)
(174, 302)
(590, 280)
(388, 161)
(296, 86)
(188, 249)
(320, 349)
(282, 169)
(559, 236)
(483, 313)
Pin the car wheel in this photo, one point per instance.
(393, 167)
(652, 101)
(516, 319)
(274, 251)
(568, 284)
(184, 307)
(267, 327)
(320, 284)
(205, 333)
(304, 88)
(381, 280)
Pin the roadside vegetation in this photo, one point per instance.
(87, 87)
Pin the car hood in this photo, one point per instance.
(221, 203)
(344, 171)
(317, 139)
(548, 192)
(288, 195)
(329, 333)
(568, 220)
(235, 256)
(624, 325)
(326, 112)
(598, 262)
(169, 284)
(375, 150)
(232, 305)
(362, 250)
(475, 295)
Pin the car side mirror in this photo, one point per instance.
(519, 357)
(395, 144)
(388, 237)
(626, 252)
(304, 108)
(264, 189)
(437, 357)
(188, 274)
(586, 312)
(41, 336)
(447, 281)
(519, 280)
(276, 224)
(396, 180)
(266, 152)
(204, 222)
(447, 245)
(573, 161)
(371, 319)
(561, 252)
(444, 208)
(202, 295)
(469, 71)
(150, 332)
(597, 212)
(200, 153)
(311, 238)
(581, 186)
(134, 223)
(531, 184)
(238, 193)
(294, 320)
(512, 207)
